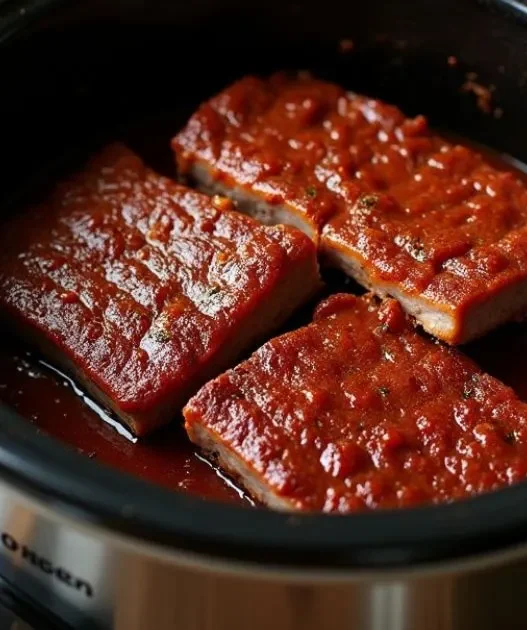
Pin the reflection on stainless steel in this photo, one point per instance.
(96, 581)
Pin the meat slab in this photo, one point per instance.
(402, 210)
(144, 289)
(359, 411)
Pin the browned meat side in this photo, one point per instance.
(144, 289)
(359, 411)
(403, 211)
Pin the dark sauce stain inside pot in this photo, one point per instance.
(57, 407)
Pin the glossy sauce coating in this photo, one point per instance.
(138, 281)
(166, 457)
(359, 411)
(303, 142)
(432, 217)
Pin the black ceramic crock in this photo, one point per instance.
(74, 75)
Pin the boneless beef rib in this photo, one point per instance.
(402, 210)
(144, 289)
(359, 411)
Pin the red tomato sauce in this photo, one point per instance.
(431, 218)
(167, 458)
(51, 404)
(360, 411)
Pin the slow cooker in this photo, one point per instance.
(85, 546)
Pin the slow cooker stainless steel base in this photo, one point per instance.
(88, 546)
(89, 578)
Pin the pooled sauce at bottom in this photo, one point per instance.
(167, 458)
(53, 405)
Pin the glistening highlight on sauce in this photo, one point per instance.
(56, 406)
(167, 458)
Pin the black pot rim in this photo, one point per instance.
(44, 469)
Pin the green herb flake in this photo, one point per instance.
(383, 391)
(311, 191)
(412, 246)
(162, 336)
(468, 391)
(367, 202)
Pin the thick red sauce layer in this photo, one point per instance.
(359, 411)
(167, 458)
(417, 211)
(139, 282)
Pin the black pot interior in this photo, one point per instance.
(75, 75)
